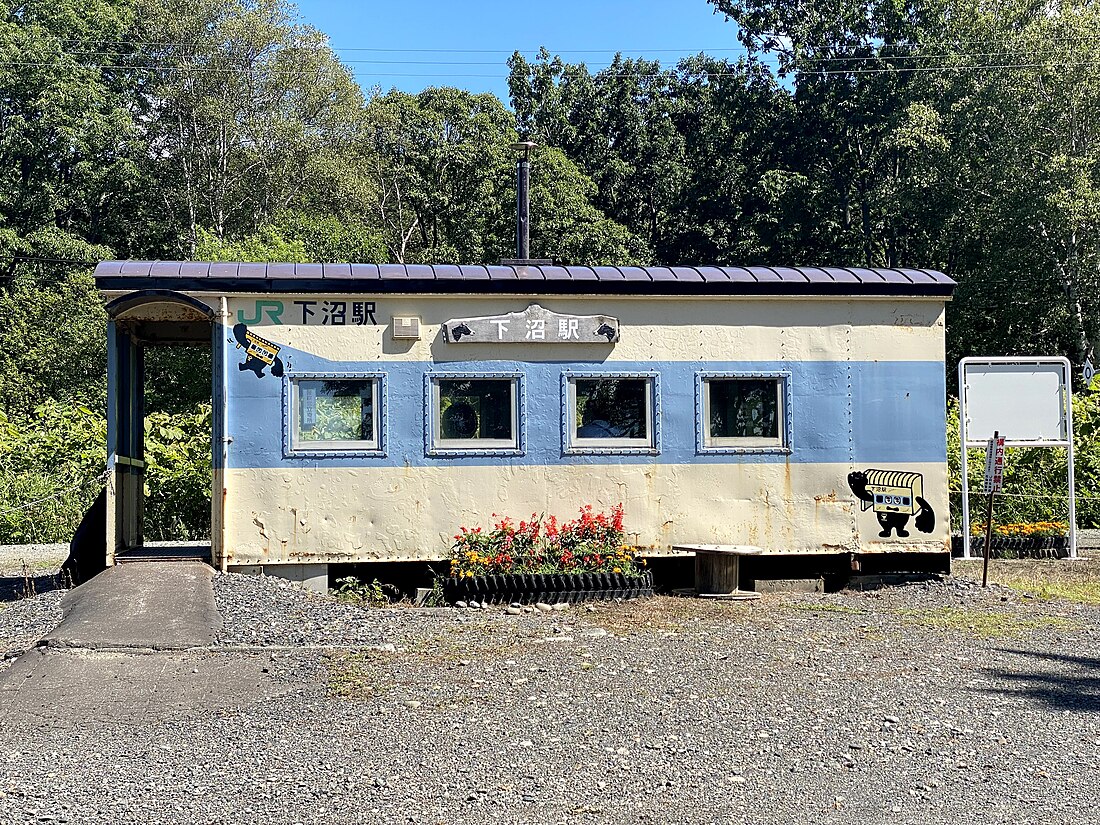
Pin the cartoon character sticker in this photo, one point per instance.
(895, 496)
(259, 352)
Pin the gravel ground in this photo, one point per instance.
(268, 611)
(29, 596)
(931, 703)
(34, 556)
(25, 621)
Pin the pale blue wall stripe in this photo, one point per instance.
(898, 412)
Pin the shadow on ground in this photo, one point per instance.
(17, 586)
(1067, 683)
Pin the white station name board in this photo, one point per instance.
(535, 325)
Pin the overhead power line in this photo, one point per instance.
(302, 72)
(422, 50)
(43, 260)
(881, 58)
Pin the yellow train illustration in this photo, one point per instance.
(894, 491)
(259, 352)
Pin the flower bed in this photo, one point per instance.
(1023, 530)
(543, 560)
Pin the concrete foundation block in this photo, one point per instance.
(790, 585)
(310, 576)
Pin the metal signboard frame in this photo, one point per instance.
(1017, 371)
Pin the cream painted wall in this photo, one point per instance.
(653, 329)
(307, 515)
(300, 515)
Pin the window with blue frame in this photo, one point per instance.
(474, 413)
(335, 414)
(610, 413)
(743, 412)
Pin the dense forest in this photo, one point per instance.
(948, 134)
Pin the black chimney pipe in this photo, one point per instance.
(523, 200)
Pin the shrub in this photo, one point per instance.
(352, 590)
(1035, 484)
(591, 543)
(51, 462)
(178, 475)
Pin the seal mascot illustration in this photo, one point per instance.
(895, 496)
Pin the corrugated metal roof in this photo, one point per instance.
(185, 276)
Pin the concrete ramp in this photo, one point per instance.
(149, 606)
(134, 646)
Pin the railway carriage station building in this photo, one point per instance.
(361, 413)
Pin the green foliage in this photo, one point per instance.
(54, 333)
(444, 178)
(296, 237)
(66, 123)
(52, 463)
(1035, 482)
(178, 474)
(49, 462)
(368, 594)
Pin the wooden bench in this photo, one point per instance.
(718, 569)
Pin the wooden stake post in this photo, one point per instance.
(994, 481)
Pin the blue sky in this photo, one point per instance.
(412, 45)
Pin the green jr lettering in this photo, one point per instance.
(273, 310)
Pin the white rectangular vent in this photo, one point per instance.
(406, 327)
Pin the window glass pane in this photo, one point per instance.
(475, 408)
(744, 408)
(336, 410)
(612, 408)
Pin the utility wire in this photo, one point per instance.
(229, 70)
(99, 481)
(38, 259)
(879, 56)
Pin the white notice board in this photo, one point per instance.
(1025, 401)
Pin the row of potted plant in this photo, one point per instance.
(594, 542)
(543, 560)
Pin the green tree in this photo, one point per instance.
(444, 177)
(54, 331)
(66, 123)
(249, 114)
(1027, 143)
(691, 159)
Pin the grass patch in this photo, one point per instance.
(1050, 579)
(350, 676)
(982, 624)
(374, 674)
(1078, 592)
(826, 608)
(657, 614)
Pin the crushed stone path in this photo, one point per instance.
(928, 704)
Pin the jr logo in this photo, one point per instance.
(273, 310)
